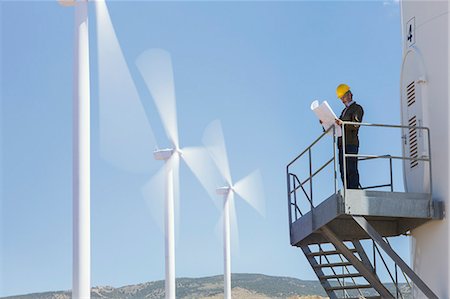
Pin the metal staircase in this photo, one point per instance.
(331, 232)
(342, 276)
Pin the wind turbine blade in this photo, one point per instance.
(126, 138)
(214, 141)
(201, 164)
(251, 190)
(155, 66)
(153, 193)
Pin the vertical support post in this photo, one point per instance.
(313, 222)
(334, 160)
(226, 246)
(344, 159)
(310, 179)
(430, 209)
(169, 233)
(396, 280)
(392, 180)
(289, 198)
(295, 198)
(81, 278)
(374, 257)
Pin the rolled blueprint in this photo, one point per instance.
(326, 115)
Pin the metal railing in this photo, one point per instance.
(296, 188)
(394, 277)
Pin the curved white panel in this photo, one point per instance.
(413, 104)
(426, 61)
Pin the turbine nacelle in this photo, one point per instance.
(224, 190)
(163, 154)
(67, 2)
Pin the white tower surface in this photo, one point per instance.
(81, 155)
(425, 102)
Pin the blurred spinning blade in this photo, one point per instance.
(214, 142)
(153, 193)
(251, 190)
(126, 138)
(203, 167)
(155, 66)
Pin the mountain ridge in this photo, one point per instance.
(244, 285)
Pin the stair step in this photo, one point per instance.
(349, 287)
(333, 265)
(330, 252)
(348, 275)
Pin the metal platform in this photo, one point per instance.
(329, 231)
(390, 213)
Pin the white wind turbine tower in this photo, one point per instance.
(155, 66)
(128, 143)
(118, 99)
(250, 188)
(126, 137)
(81, 153)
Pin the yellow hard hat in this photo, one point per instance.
(341, 90)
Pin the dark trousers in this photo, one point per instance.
(351, 165)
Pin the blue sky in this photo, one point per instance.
(256, 66)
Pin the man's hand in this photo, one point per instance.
(338, 122)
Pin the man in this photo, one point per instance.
(354, 113)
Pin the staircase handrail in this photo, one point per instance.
(311, 175)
